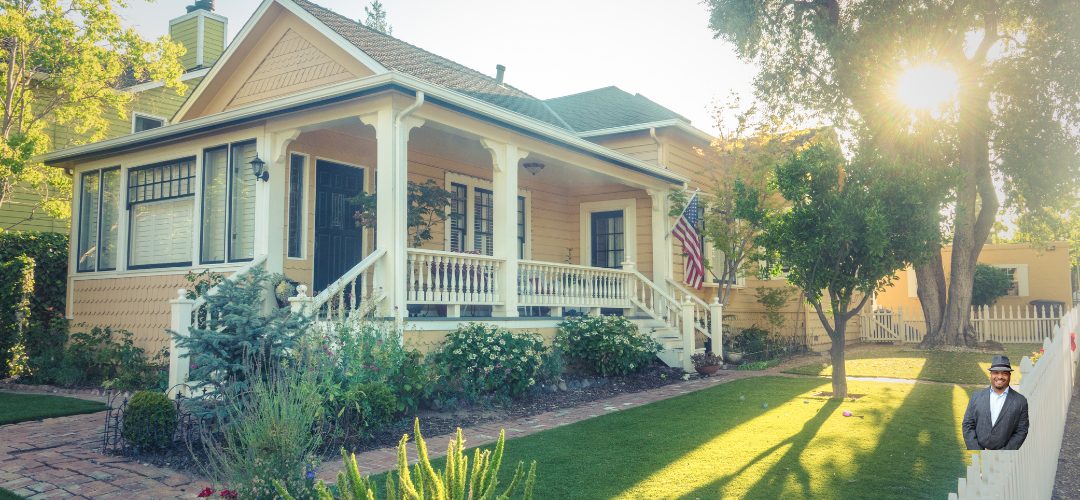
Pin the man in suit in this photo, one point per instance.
(996, 417)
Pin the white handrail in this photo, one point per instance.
(348, 302)
(556, 284)
(658, 301)
(437, 277)
(702, 314)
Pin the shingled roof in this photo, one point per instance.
(609, 107)
(398, 55)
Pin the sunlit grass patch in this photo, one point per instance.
(910, 363)
(22, 407)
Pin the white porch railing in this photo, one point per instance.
(702, 312)
(436, 277)
(1004, 324)
(556, 285)
(186, 313)
(354, 292)
(1029, 472)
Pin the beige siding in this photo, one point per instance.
(137, 304)
(640, 145)
(292, 66)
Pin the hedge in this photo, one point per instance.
(34, 280)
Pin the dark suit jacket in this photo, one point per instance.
(1012, 423)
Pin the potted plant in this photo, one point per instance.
(706, 363)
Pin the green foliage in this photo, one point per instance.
(427, 208)
(773, 300)
(201, 282)
(605, 345)
(454, 482)
(990, 283)
(107, 357)
(266, 432)
(66, 63)
(375, 18)
(479, 360)
(33, 279)
(149, 421)
(367, 406)
(233, 331)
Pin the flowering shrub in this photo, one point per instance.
(1035, 355)
(605, 345)
(478, 359)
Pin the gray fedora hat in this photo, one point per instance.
(1000, 363)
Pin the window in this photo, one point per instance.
(458, 223)
(228, 204)
(1018, 273)
(479, 236)
(608, 239)
(145, 122)
(160, 200)
(296, 209)
(99, 210)
(484, 222)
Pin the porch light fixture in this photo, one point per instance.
(258, 167)
(533, 167)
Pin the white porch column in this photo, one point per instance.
(661, 243)
(262, 201)
(179, 322)
(505, 158)
(278, 165)
(391, 185)
(716, 326)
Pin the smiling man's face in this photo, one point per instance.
(1000, 380)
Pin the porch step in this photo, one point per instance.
(669, 338)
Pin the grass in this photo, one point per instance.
(7, 495)
(909, 363)
(763, 437)
(23, 407)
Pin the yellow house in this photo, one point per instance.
(202, 33)
(1038, 274)
(559, 205)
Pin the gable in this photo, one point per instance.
(293, 65)
(277, 54)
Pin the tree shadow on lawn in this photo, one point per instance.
(787, 469)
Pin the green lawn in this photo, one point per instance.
(763, 437)
(909, 363)
(7, 495)
(22, 407)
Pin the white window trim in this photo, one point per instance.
(912, 283)
(369, 186)
(471, 183)
(712, 254)
(136, 114)
(629, 210)
(305, 199)
(1021, 276)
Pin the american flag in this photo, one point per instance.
(685, 231)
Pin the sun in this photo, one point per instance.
(927, 87)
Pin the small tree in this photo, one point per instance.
(376, 18)
(849, 229)
(990, 283)
(427, 207)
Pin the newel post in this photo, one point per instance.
(301, 303)
(716, 326)
(629, 288)
(180, 322)
(689, 343)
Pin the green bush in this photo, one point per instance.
(234, 331)
(267, 429)
(42, 269)
(149, 421)
(106, 357)
(752, 342)
(989, 284)
(480, 360)
(366, 407)
(605, 345)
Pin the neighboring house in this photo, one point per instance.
(559, 205)
(202, 33)
(1038, 275)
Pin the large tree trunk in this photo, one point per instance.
(930, 278)
(837, 330)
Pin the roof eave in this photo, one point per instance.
(349, 90)
(678, 124)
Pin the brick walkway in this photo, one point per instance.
(61, 458)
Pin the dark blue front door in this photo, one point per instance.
(339, 242)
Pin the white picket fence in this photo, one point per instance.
(1004, 324)
(1048, 386)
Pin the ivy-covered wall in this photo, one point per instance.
(33, 277)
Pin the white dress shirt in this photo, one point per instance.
(997, 401)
